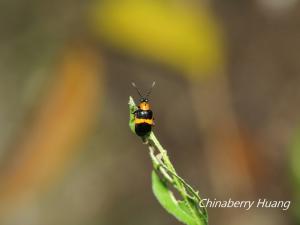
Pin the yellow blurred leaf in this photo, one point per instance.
(181, 37)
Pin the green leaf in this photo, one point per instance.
(188, 211)
(178, 209)
(132, 108)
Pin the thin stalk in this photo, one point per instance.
(163, 164)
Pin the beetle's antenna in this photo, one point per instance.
(150, 90)
(133, 84)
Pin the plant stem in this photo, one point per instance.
(179, 182)
(162, 163)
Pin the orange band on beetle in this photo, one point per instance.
(148, 121)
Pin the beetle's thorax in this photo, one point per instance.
(144, 106)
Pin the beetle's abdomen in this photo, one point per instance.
(141, 129)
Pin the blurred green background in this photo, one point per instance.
(226, 106)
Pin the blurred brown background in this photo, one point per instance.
(226, 107)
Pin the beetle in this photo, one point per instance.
(143, 116)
